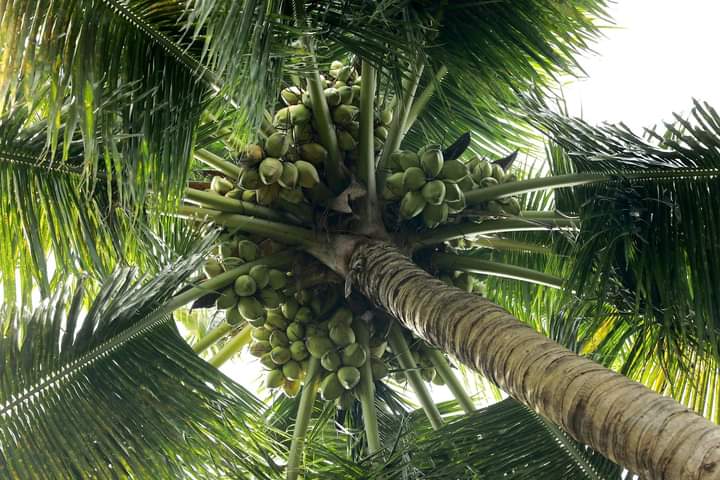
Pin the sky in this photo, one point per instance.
(659, 55)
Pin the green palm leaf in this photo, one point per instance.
(83, 51)
(504, 440)
(493, 51)
(114, 390)
(647, 254)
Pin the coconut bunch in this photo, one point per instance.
(275, 170)
(289, 162)
(279, 342)
(431, 188)
(426, 185)
(485, 174)
(252, 294)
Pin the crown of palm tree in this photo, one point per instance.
(112, 113)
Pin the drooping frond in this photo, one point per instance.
(493, 52)
(70, 56)
(504, 440)
(45, 210)
(114, 391)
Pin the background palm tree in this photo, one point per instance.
(110, 110)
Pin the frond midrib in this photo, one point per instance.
(159, 38)
(71, 369)
(26, 160)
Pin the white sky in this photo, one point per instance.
(661, 55)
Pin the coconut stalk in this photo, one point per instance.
(367, 390)
(366, 164)
(231, 205)
(422, 101)
(209, 158)
(326, 129)
(334, 169)
(233, 346)
(400, 349)
(211, 337)
(450, 261)
(443, 369)
(396, 132)
(302, 420)
(446, 233)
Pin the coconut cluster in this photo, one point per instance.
(426, 185)
(484, 174)
(431, 188)
(279, 343)
(315, 323)
(253, 294)
(289, 161)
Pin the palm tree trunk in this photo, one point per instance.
(630, 424)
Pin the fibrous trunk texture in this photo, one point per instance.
(647, 433)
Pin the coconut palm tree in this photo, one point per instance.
(336, 178)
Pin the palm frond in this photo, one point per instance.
(70, 56)
(45, 210)
(494, 52)
(627, 223)
(646, 255)
(504, 440)
(114, 391)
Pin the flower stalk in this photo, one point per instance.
(209, 158)
(211, 337)
(366, 391)
(302, 421)
(450, 261)
(233, 346)
(400, 349)
(443, 369)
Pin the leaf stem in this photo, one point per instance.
(366, 390)
(366, 170)
(209, 158)
(212, 336)
(450, 261)
(443, 369)
(422, 101)
(510, 244)
(288, 234)
(396, 132)
(233, 346)
(307, 400)
(400, 348)
(577, 179)
(486, 227)
(231, 205)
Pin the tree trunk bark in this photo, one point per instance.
(630, 424)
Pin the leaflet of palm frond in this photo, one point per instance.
(45, 210)
(495, 51)
(504, 440)
(81, 386)
(84, 51)
(663, 198)
(54, 208)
